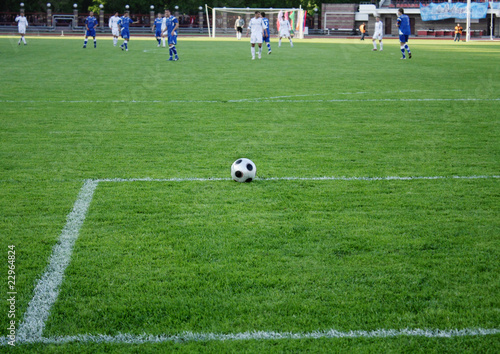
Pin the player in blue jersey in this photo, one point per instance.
(172, 24)
(124, 22)
(157, 28)
(90, 26)
(403, 24)
(267, 34)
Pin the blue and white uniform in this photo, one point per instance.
(158, 23)
(91, 23)
(266, 30)
(124, 23)
(170, 23)
(403, 24)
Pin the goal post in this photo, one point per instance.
(223, 19)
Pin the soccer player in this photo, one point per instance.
(257, 27)
(22, 23)
(163, 28)
(238, 26)
(403, 24)
(172, 25)
(157, 28)
(124, 24)
(285, 30)
(378, 34)
(267, 33)
(90, 26)
(115, 30)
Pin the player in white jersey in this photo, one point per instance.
(285, 30)
(257, 28)
(22, 23)
(378, 34)
(163, 29)
(115, 29)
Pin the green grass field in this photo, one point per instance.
(373, 225)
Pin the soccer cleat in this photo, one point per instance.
(126, 50)
(176, 58)
(158, 45)
(409, 55)
(253, 58)
(269, 52)
(170, 59)
(403, 58)
(84, 46)
(374, 49)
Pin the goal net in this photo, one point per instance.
(223, 20)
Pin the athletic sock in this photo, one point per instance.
(408, 49)
(403, 51)
(252, 50)
(279, 42)
(163, 39)
(125, 44)
(95, 43)
(374, 45)
(269, 46)
(174, 50)
(85, 43)
(291, 43)
(381, 46)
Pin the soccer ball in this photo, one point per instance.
(243, 170)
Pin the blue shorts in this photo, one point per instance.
(125, 33)
(403, 38)
(158, 33)
(268, 38)
(172, 39)
(90, 33)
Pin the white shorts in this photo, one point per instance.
(256, 38)
(378, 35)
(285, 34)
(22, 30)
(115, 32)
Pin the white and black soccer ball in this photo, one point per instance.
(243, 170)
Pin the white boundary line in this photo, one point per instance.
(265, 335)
(325, 178)
(47, 289)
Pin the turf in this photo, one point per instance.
(275, 255)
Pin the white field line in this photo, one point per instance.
(47, 289)
(325, 178)
(260, 335)
(261, 100)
